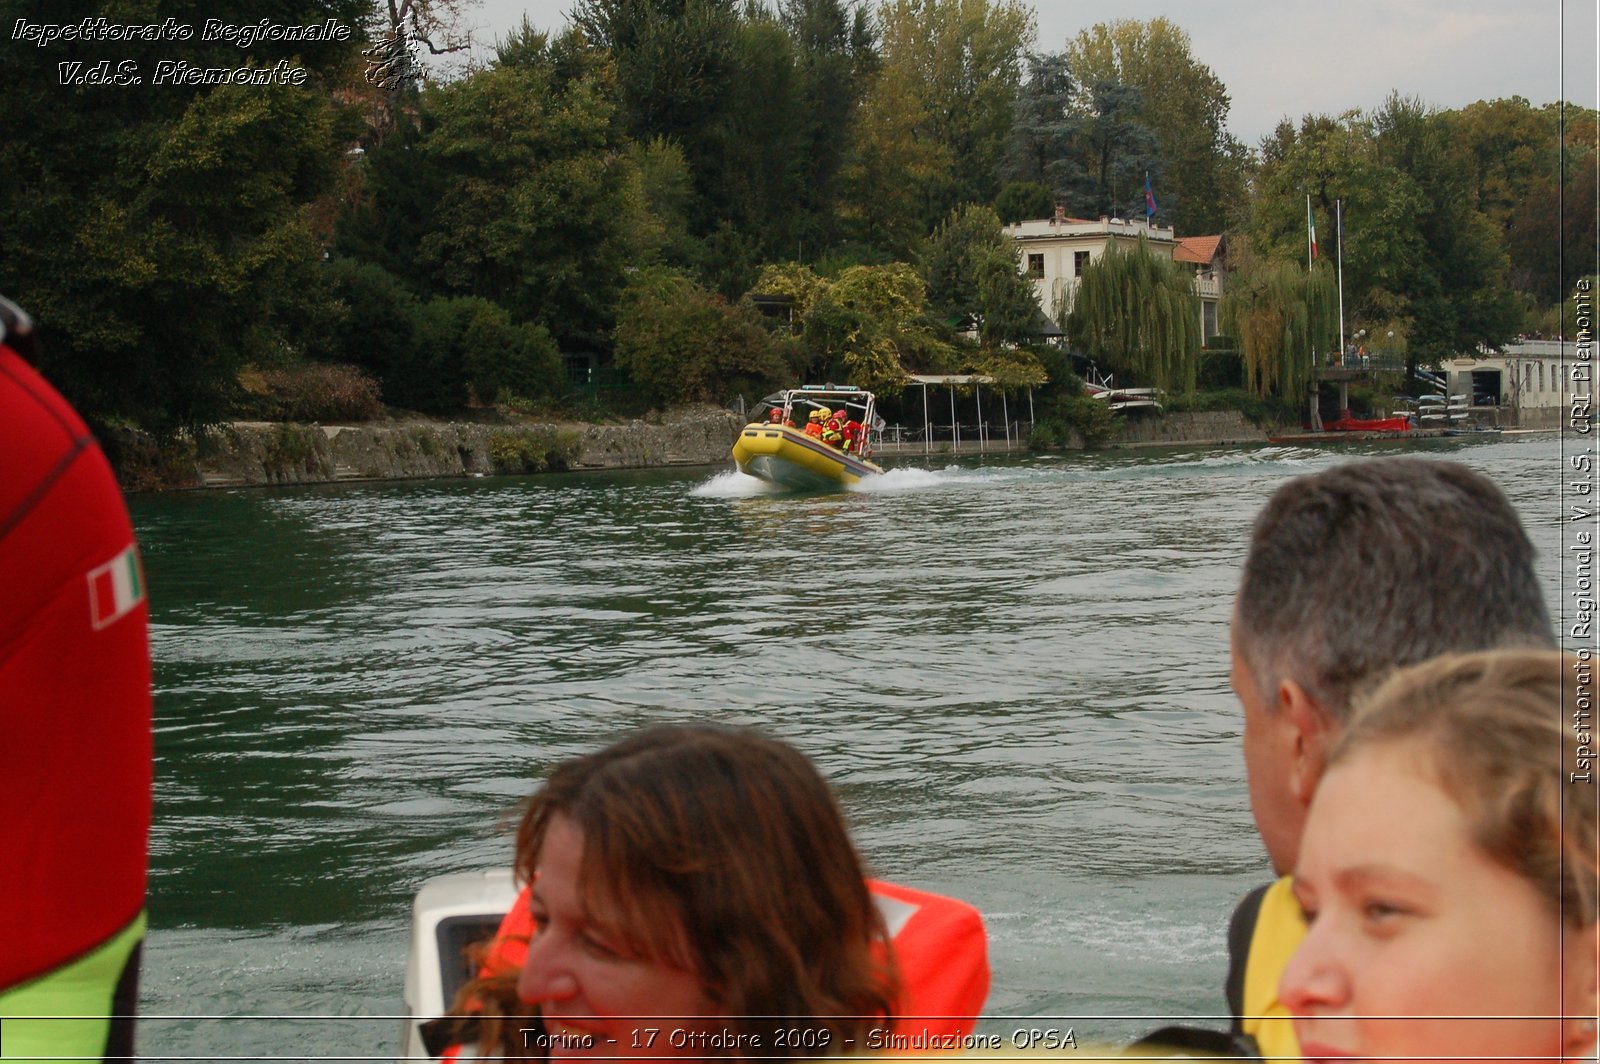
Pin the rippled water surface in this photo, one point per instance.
(1013, 672)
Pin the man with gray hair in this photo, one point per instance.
(1351, 573)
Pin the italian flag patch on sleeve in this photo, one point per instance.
(115, 588)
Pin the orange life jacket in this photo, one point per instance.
(939, 945)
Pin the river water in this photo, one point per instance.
(1014, 672)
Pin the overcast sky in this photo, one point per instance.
(1287, 57)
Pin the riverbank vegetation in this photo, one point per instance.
(576, 225)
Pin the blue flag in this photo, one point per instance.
(1149, 197)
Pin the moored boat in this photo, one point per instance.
(1123, 398)
(776, 449)
(1347, 423)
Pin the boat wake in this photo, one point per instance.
(903, 480)
(733, 485)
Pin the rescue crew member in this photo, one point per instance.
(775, 416)
(74, 728)
(833, 429)
(1455, 569)
(852, 435)
(814, 425)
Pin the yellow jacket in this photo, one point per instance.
(1265, 930)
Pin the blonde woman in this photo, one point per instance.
(1448, 870)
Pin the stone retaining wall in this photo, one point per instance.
(1211, 426)
(260, 453)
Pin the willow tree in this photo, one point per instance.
(1136, 311)
(1283, 318)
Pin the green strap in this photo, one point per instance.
(67, 1012)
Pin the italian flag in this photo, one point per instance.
(115, 588)
(1311, 228)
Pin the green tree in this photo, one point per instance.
(1116, 151)
(668, 190)
(1183, 103)
(1552, 227)
(894, 165)
(163, 235)
(867, 327)
(1332, 160)
(375, 327)
(433, 355)
(1552, 240)
(1284, 318)
(835, 57)
(675, 63)
(962, 63)
(502, 359)
(534, 205)
(1417, 249)
(800, 283)
(754, 183)
(1136, 312)
(1040, 150)
(1461, 297)
(970, 267)
(682, 343)
(1019, 201)
(1510, 147)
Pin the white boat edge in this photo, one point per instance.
(449, 912)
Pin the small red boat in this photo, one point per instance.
(1346, 423)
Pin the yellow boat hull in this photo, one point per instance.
(789, 458)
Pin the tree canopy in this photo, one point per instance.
(1182, 103)
(460, 238)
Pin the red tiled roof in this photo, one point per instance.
(1200, 249)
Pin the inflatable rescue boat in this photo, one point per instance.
(815, 438)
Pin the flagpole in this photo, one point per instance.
(1338, 238)
(1311, 241)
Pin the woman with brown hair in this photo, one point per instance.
(1448, 869)
(693, 892)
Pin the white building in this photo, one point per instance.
(1533, 382)
(1052, 253)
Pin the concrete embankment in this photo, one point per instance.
(262, 453)
(1206, 427)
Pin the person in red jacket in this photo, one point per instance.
(851, 430)
(75, 727)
